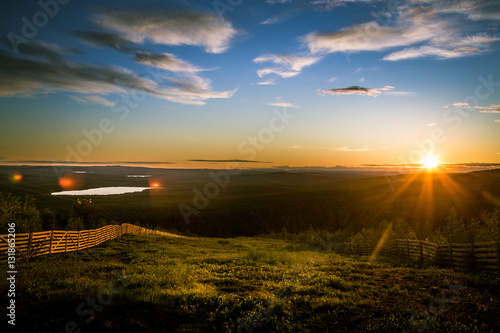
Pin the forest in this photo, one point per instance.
(440, 207)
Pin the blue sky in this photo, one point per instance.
(362, 82)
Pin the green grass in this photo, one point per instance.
(160, 284)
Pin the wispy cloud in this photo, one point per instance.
(173, 27)
(287, 65)
(93, 99)
(353, 148)
(357, 90)
(102, 39)
(283, 104)
(363, 38)
(493, 108)
(267, 82)
(445, 48)
(223, 161)
(25, 75)
(431, 124)
(165, 61)
(425, 22)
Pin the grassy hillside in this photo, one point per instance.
(160, 284)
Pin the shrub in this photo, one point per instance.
(21, 211)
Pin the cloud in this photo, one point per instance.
(493, 108)
(223, 161)
(267, 82)
(332, 79)
(101, 39)
(20, 76)
(191, 89)
(288, 65)
(294, 63)
(472, 9)
(41, 50)
(273, 2)
(326, 5)
(353, 148)
(93, 99)
(294, 147)
(424, 51)
(27, 77)
(166, 61)
(369, 37)
(173, 27)
(427, 23)
(276, 70)
(460, 104)
(357, 90)
(283, 104)
(431, 124)
(497, 120)
(445, 48)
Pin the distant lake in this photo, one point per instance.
(104, 190)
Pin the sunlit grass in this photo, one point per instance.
(218, 285)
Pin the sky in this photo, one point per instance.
(261, 83)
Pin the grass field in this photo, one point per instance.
(160, 284)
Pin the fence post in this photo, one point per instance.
(51, 241)
(30, 241)
(408, 247)
(78, 241)
(498, 255)
(421, 252)
(472, 254)
(451, 254)
(66, 243)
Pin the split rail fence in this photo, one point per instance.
(481, 256)
(29, 245)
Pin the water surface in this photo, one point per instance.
(104, 190)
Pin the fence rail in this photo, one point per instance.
(29, 245)
(484, 255)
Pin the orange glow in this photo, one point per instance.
(17, 177)
(65, 183)
(155, 185)
(430, 162)
(71, 181)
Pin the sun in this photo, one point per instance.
(430, 162)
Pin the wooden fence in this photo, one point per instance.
(57, 241)
(483, 256)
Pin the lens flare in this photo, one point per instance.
(71, 181)
(17, 177)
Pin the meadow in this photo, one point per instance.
(162, 284)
